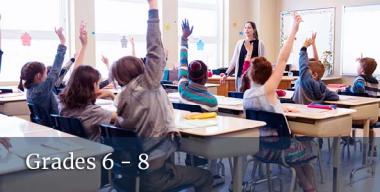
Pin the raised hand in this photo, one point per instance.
(105, 60)
(296, 23)
(307, 43)
(83, 37)
(152, 4)
(313, 38)
(132, 41)
(186, 30)
(60, 35)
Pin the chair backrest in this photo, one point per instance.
(349, 93)
(274, 121)
(186, 107)
(40, 116)
(69, 125)
(238, 95)
(127, 147)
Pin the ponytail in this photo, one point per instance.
(20, 85)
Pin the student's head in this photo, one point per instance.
(126, 69)
(250, 30)
(317, 69)
(82, 88)
(367, 66)
(198, 72)
(260, 70)
(32, 73)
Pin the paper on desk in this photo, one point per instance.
(229, 101)
(9, 95)
(193, 124)
(45, 148)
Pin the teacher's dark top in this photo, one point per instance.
(243, 53)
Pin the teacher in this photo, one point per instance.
(255, 49)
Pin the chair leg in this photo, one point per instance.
(137, 187)
(269, 177)
(293, 180)
(320, 165)
(255, 165)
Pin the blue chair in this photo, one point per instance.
(186, 107)
(280, 142)
(127, 147)
(69, 125)
(40, 116)
(238, 95)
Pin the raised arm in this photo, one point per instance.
(155, 57)
(186, 32)
(273, 82)
(133, 46)
(52, 77)
(83, 40)
(313, 43)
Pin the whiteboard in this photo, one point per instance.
(321, 21)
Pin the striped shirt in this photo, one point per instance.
(366, 84)
(190, 92)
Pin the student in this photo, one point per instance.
(192, 89)
(262, 96)
(365, 82)
(78, 100)
(39, 84)
(309, 87)
(5, 142)
(193, 77)
(145, 106)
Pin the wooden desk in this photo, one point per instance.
(212, 88)
(224, 88)
(226, 137)
(30, 137)
(286, 82)
(14, 104)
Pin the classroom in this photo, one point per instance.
(189, 95)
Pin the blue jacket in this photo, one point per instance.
(307, 89)
(42, 94)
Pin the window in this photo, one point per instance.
(360, 36)
(128, 18)
(206, 17)
(36, 18)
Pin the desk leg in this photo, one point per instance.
(365, 164)
(238, 174)
(336, 164)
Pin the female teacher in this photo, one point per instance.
(255, 49)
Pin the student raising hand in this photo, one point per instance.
(186, 30)
(60, 35)
(83, 34)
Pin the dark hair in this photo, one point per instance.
(80, 90)
(198, 72)
(29, 72)
(255, 33)
(317, 67)
(126, 69)
(369, 65)
(260, 70)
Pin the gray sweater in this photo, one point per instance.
(144, 105)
